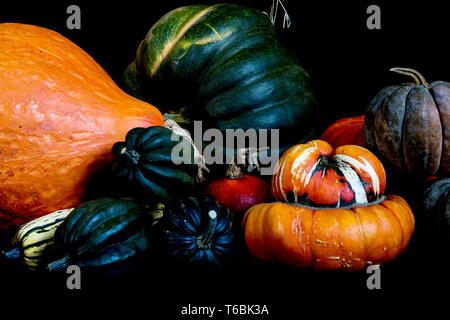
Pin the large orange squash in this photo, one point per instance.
(60, 114)
(329, 239)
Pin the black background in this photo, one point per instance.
(348, 64)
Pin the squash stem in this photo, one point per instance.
(131, 155)
(234, 171)
(205, 240)
(58, 264)
(418, 78)
(11, 254)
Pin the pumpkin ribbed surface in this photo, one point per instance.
(315, 174)
(345, 131)
(408, 125)
(226, 64)
(329, 239)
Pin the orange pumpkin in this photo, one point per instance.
(60, 114)
(345, 131)
(329, 239)
(315, 174)
(340, 218)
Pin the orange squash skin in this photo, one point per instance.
(345, 131)
(60, 114)
(332, 239)
(299, 171)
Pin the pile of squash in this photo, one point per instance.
(63, 121)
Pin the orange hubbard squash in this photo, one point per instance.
(60, 114)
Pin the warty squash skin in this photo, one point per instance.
(329, 239)
(60, 114)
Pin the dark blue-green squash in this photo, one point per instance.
(102, 234)
(196, 232)
(149, 162)
(436, 207)
(224, 64)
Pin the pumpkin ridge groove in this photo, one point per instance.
(209, 66)
(242, 112)
(441, 121)
(399, 222)
(274, 105)
(216, 69)
(265, 217)
(258, 78)
(313, 256)
(363, 238)
(402, 142)
(168, 48)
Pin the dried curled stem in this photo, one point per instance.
(199, 160)
(274, 12)
(248, 157)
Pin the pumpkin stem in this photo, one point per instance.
(418, 78)
(11, 254)
(274, 11)
(234, 171)
(198, 158)
(250, 156)
(58, 264)
(204, 241)
(157, 213)
(131, 155)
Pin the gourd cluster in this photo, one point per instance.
(89, 176)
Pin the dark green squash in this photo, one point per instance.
(223, 64)
(408, 125)
(105, 233)
(196, 232)
(145, 163)
(436, 206)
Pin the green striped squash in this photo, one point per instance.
(223, 64)
(34, 240)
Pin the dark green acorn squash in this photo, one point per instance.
(223, 64)
(197, 232)
(102, 234)
(144, 163)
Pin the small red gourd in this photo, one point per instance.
(238, 191)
